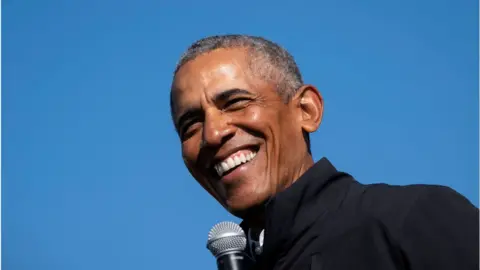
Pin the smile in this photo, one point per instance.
(234, 160)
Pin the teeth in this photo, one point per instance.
(223, 167)
(237, 160)
(231, 163)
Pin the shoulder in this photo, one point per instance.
(438, 195)
(393, 204)
(390, 197)
(441, 229)
(386, 201)
(413, 192)
(401, 206)
(436, 202)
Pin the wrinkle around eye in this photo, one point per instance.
(236, 103)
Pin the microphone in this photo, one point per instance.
(227, 242)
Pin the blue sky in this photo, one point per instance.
(92, 176)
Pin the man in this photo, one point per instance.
(243, 115)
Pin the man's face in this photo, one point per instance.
(240, 141)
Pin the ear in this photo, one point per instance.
(309, 103)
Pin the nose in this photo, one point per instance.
(217, 129)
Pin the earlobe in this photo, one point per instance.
(311, 108)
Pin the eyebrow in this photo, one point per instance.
(225, 95)
(219, 97)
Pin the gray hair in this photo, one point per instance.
(266, 59)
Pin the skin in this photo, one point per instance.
(220, 107)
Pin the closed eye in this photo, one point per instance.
(232, 103)
(189, 128)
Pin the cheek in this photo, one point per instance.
(190, 152)
(253, 115)
(189, 155)
(258, 119)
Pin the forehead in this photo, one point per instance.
(211, 73)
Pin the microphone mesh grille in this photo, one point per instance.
(226, 236)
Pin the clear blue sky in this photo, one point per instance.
(92, 176)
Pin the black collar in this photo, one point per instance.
(297, 207)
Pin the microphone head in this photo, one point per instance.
(226, 237)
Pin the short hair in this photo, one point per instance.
(266, 59)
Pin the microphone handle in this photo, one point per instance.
(234, 261)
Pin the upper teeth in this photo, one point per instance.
(233, 161)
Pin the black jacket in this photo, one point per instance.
(326, 220)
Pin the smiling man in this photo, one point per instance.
(243, 115)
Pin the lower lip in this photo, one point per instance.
(236, 173)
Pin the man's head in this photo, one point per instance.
(243, 116)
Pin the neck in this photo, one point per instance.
(255, 217)
(306, 164)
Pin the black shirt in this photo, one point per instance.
(327, 220)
